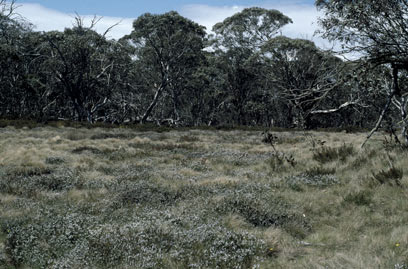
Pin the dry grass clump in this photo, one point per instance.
(161, 198)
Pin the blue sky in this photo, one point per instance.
(48, 15)
(134, 8)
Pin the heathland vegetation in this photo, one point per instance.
(175, 148)
(128, 198)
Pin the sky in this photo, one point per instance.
(49, 15)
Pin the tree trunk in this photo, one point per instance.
(80, 110)
(395, 92)
(152, 104)
(404, 119)
(175, 106)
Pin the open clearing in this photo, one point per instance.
(121, 198)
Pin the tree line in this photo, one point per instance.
(168, 70)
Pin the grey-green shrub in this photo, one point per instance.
(262, 209)
(315, 180)
(151, 239)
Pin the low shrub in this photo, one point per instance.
(92, 150)
(67, 238)
(147, 193)
(345, 151)
(112, 135)
(27, 170)
(361, 198)
(54, 160)
(326, 154)
(58, 182)
(392, 176)
(265, 211)
(363, 158)
(276, 164)
(28, 186)
(120, 154)
(319, 171)
(316, 180)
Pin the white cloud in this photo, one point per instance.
(45, 19)
(304, 19)
(304, 24)
(208, 16)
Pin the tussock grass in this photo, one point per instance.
(160, 198)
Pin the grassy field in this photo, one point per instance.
(121, 198)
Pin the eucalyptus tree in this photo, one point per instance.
(236, 41)
(250, 28)
(83, 64)
(169, 49)
(123, 82)
(377, 31)
(22, 92)
(303, 76)
(12, 60)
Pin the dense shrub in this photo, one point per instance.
(61, 180)
(153, 239)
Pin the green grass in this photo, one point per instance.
(77, 197)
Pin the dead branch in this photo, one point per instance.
(111, 27)
(7, 8)
(328, 111)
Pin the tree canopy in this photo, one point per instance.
(250, 28)
(170, 46)
(377, 30)
(169, 70)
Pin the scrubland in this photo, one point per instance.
(123, 198)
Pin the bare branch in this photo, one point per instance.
(111, 27)
(380, 119)
(328, 111)
(79, 21)
(7, 8)
(395, 92)
(95, 21)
